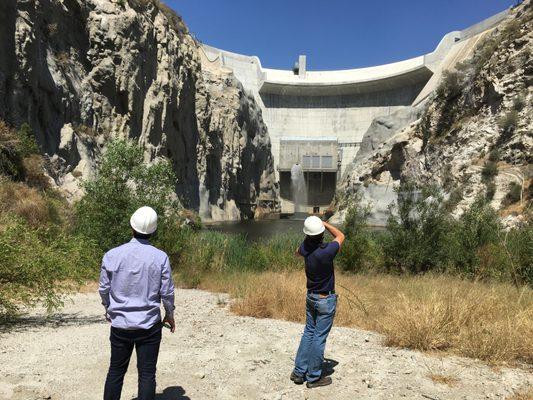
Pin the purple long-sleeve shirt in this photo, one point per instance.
(135, 278)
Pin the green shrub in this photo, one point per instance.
(360, 250)
(519, 103)
(38, 264)
(455, 197)
(420, 233)
(514, 194)
(450, 86)
(490, 191)
(494, 155)
(27, 144)
(478, 227)
(508, 121)
(122, 184)
(489, 171)
(519, 249)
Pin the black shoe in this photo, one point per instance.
(297, 378)
(323, 381)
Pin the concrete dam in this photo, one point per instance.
(317, 119)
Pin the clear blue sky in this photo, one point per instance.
(334, 34)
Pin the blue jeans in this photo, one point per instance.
(146, 342)
(320, 313)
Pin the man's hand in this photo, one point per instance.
(336, 233)
(106, 315)
(171, 322)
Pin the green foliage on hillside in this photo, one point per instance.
(122, 184)
(422, 236)
(37, 264)
(40, 258)
(360, 252)
(457, 97)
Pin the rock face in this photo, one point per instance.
(480, 114)
(83, 71)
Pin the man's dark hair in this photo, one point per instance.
(138, 235)
(315, 239)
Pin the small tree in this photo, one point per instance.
(121, 185)
(420, 235)
(479, 227)
(359, 252)
(27, 144)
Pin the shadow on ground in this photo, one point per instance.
(328, 366)
(171, 393)
(55, 320)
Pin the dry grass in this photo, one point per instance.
(492, 322)
(35, 176)
(526, 394)
(444, 379)
(23, 201)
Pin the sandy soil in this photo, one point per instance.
(216, 355)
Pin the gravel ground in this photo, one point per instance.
(216, 355)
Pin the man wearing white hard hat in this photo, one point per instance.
(135, 279)
(321, 300)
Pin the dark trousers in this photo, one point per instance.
(146, 342)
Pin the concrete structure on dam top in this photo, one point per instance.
(337, 105)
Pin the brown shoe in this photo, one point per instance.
(323, 381)
(297, 378)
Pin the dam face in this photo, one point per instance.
(314, 117)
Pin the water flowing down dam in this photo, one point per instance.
(318, 119)
(298, 188)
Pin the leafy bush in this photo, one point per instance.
(175, 20)
(519, 103)
(514, 194)
(519, 250)
(508, 121)
(19, 156)
(10, 157)
(420, 235)
(455, 196)
(360, 251)
(122, 184)
(490, 191)
(489, 171)
(450, 86)
(37, 264)
(478, 227)
(27, 144)
(494, 155)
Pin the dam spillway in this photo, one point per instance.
(304, 108)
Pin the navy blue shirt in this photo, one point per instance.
(319, 265)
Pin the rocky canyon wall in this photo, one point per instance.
(83, 71)
(473, 137)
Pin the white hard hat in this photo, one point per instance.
(144, 220)
(313, 226)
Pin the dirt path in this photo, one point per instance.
(216, 355)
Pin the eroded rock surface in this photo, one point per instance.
(483, 111)
(84, 71)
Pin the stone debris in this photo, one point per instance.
(71, 360)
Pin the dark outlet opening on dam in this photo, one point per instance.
(320, 187)
(309, 165)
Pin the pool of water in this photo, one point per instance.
(255, 230)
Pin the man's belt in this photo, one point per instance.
(321, 293)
